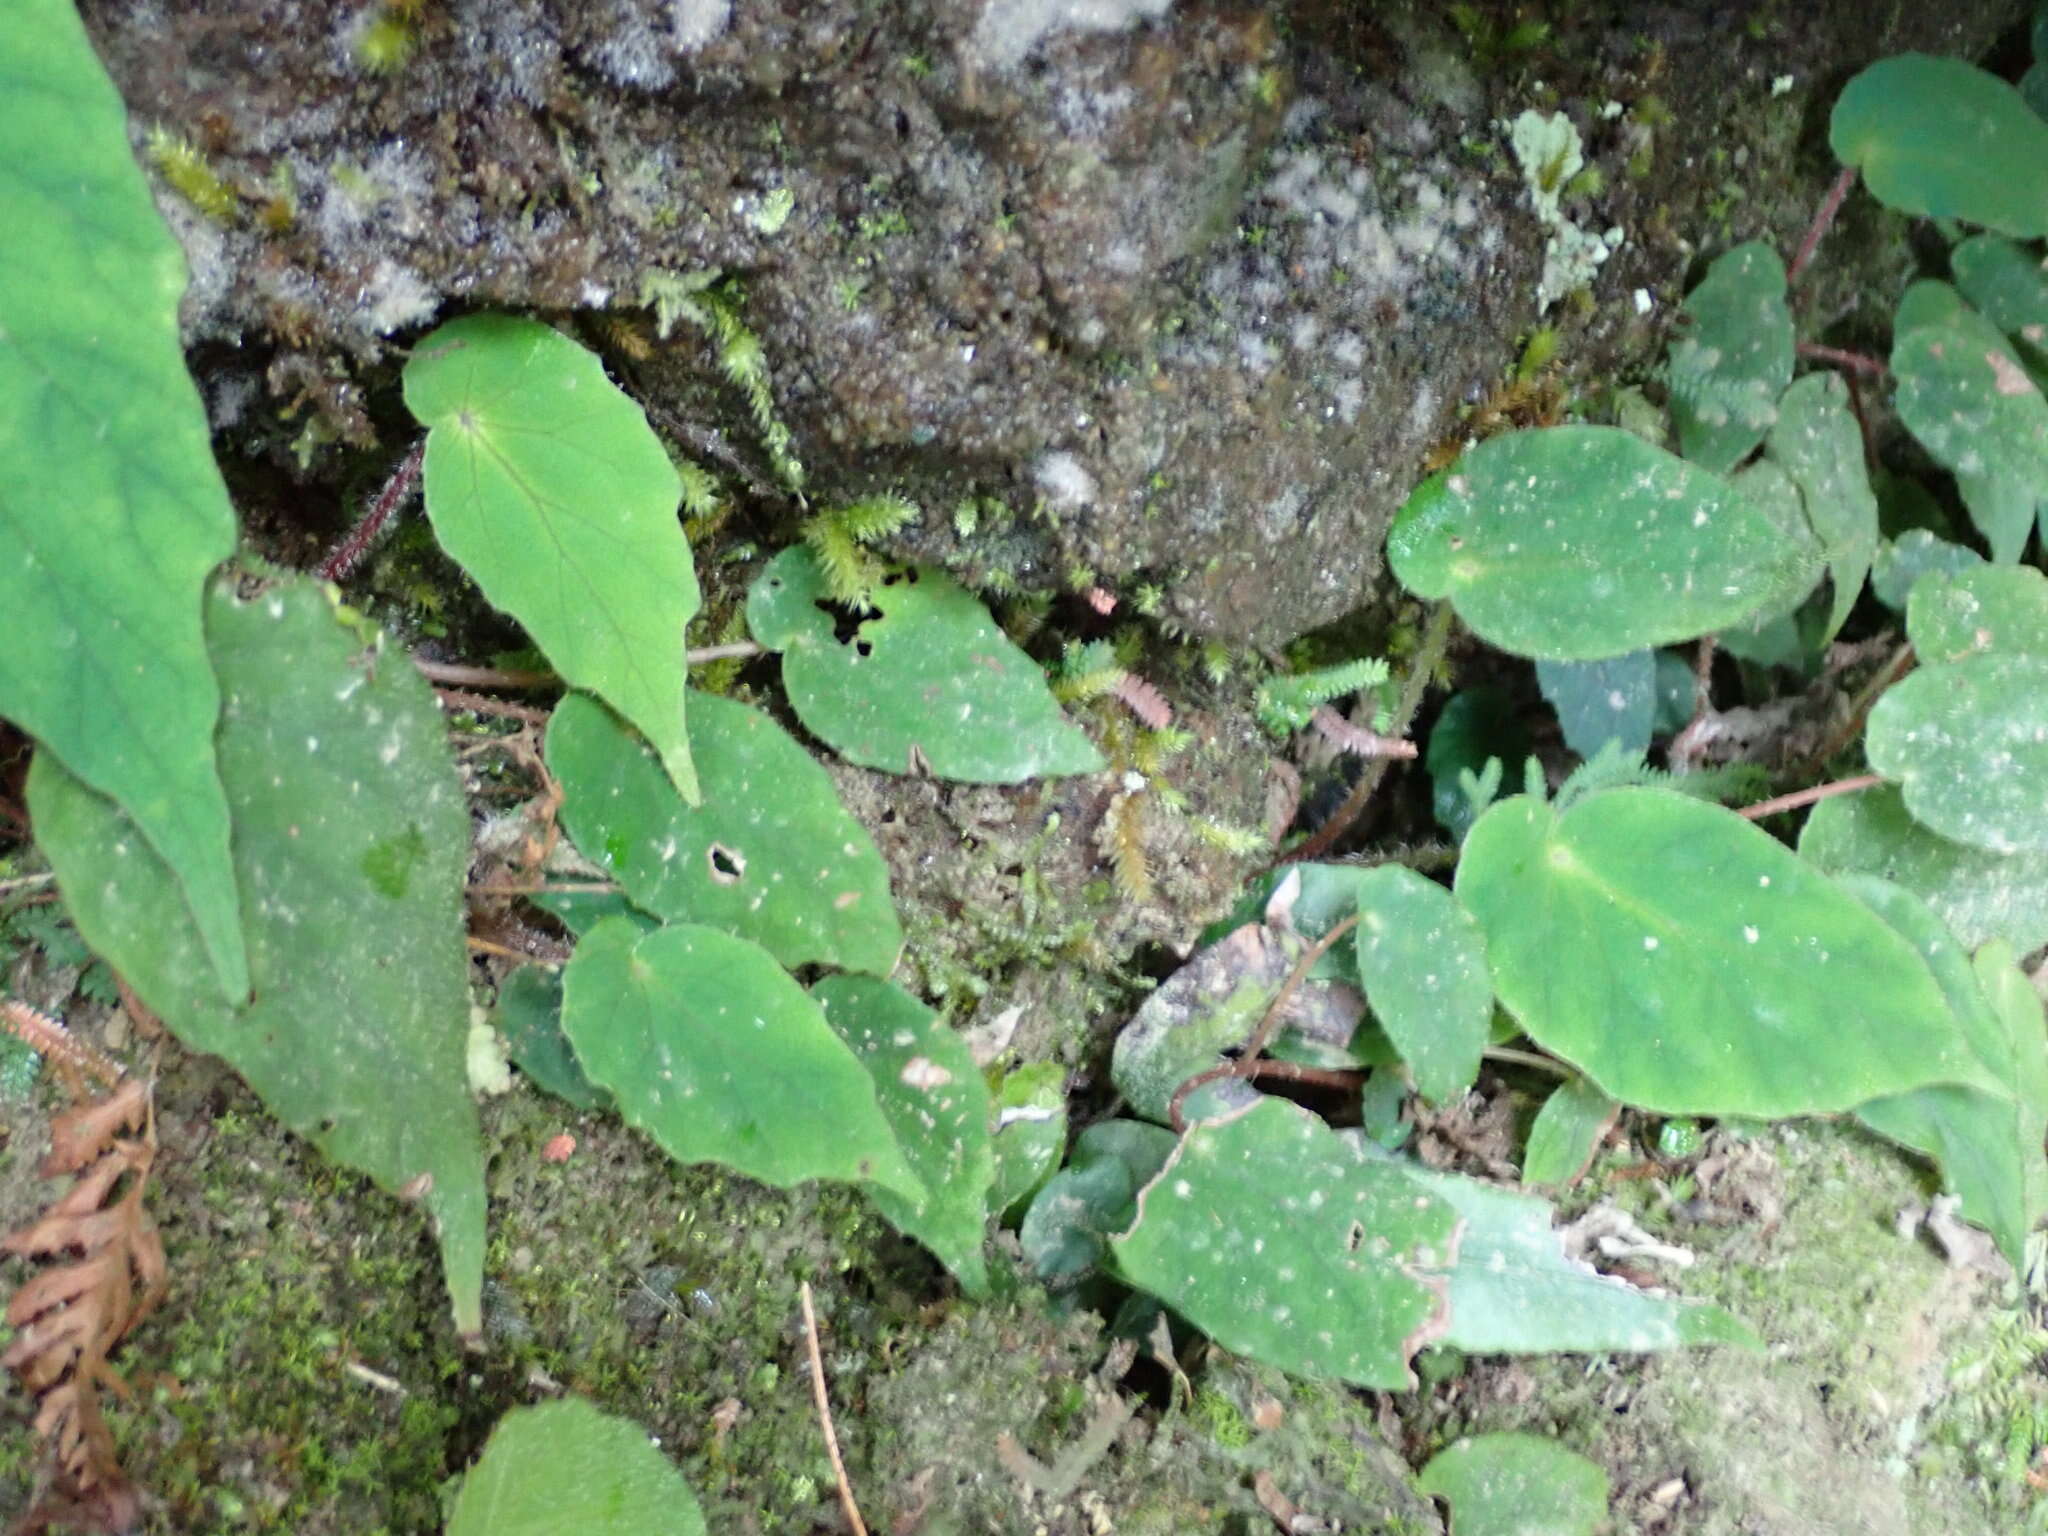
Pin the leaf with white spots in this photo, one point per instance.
(1917, 553)
(1516, 1485)
(1028, 1130)
(1980, 895)
(935, 1101)
(1689, 963)
(1514, 1290)
(1986, 608)
(546, 484)
(1818, 443)
(1422, 962)
(1989, 1145)
(770, 854)
(1576, 543)
(2008, 283)
(711, 1049)
(1967, 742)
(351, 840)
(926, 683)
(1602, 701)
(1730, 364)
(1284, 1241)
(1964, 394)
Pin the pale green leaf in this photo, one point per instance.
(1817, 441)
(1332, 1268)
(1985, 608)
(548, 486)
(351, 845)
(111, 509)
(1901, 562)
(1029, 1123)
(1577, 543)
(1567, 1132)
(2007, 283)
(711, 1049)
(1967, 742)
(928, 683)
(769, 855)
(1980, 895)
(1965, 395)
(564, 1466)
(1516, 1485)
(2002, 509)
(1733, 359)
(1943, 138)
(935, 1101)
(1989, 1145)
(1689, 963)
(1514, 1290)
(1602, 701)
(1422, 962)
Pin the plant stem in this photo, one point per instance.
(1517, 1058)
(1841, 358)
(1801, 797)
(341, 560)
(454, 675)
(1823, 217)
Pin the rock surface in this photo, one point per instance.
(1197, 284)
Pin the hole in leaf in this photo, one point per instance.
(1354, 1237)
(846, 620)
(726, 864)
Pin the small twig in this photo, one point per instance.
(1858, 361)
(483, 704)
(1889, 673)
(1517, 1058)
(1822, 219)
(489, 947)
(536, 888)
(345, 554)
(1299, 1072)
(846, 1501)
(1247, 1063)
(454, 675)
(697, 656)
(1435, 640)
(1801, 797)
(370, 1378)
(26, 882)
(1683, 745)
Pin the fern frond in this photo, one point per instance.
(1613, 768)
(1286, 703)
(1124, 829)
(676, 296)
(1225, 837)
(700, 489)
(1087, 672)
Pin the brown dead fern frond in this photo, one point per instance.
(104, 1273)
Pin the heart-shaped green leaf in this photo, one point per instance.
(1602, 701)
(1577, 543)
(1989, 1145)
(770, 854)
(1514, 1290)
(1734, 359)
(1689, 963)
(712, 1050)
(1942, 138)
(2007, 284)
(1422, 962)
(1567, 1132)
(351, 845)
(549, 487)
(1964, 394)
(1066, 1232)
(927, 683)
(111, 509)
(1980, 895)
(2002, 508)
(1967, 742)
(1818, 443)
(1334, 1270)
(935, 1101)
(1516, 1485)
(1985, 608)
(564, 1466)
(1903, 561)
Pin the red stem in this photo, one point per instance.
(1842, 359)
(341, 560)
(1801, 797)
(1825, 216)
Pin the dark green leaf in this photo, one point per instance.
(1817, 441)
(530, 1019)
(1067, 1230)
(1734, 359)
(1567, 1133)
(1602, 701)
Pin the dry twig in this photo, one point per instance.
(846, 1500)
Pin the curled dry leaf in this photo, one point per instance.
(105, 1273)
